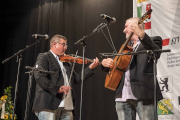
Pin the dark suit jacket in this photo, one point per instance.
(46, 95)
(141, 71)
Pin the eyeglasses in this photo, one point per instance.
(64, 45)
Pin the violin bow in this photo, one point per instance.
(72, 68)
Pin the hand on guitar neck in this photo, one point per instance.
(137, 30)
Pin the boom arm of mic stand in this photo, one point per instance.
(20, 51)
(81, 40)
(94, 31)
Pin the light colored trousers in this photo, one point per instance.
(65, 115)
(127, 110)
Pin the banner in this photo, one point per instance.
(165, 22)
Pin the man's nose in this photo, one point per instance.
(65, 47)
(124, 31)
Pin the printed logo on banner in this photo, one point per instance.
(141, 10)
(165, 42)
(175, 43)
(140, 1)
(175, 40)
(166, 108)
(166, 84)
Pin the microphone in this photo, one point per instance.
(39, 70)
(108, 18)
(40, 36)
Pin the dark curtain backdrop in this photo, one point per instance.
(73, 19)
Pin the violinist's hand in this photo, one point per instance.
(136, 29)
(94, 64)
(108, 63)
(64, 89)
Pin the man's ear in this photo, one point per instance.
(54, 43)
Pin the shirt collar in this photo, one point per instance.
(54, 54)
(138, 42)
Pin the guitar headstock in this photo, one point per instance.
(145, 16)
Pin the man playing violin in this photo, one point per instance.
(54, 95)
(135, 92)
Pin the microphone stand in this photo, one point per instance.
(152, 53)
(82, 79)
(19, 59)
(32, 69)
(83, 41)
(28, 93)
(110, 43)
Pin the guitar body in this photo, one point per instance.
(115, 74)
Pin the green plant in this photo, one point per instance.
(6, 98)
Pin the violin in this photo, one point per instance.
(71, 58)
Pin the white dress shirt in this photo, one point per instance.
(66, 101)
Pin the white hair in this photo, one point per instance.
(135, 20)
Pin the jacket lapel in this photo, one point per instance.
(55, 63)
(139, 47)
(65, 64)
(53, 60)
